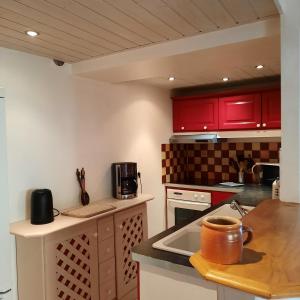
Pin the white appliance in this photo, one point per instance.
(182, 203)
(5, 258)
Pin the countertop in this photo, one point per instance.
(248, 195)
(27, 230)
(270, 266)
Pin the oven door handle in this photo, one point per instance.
(188, 204)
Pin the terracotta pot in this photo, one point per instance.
(222, 239)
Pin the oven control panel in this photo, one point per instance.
(185, 195)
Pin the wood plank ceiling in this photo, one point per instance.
(76, 30)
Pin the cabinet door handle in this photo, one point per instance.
(107, 229)
(95, 234)
(182, 127)
(107, 250)
(258, 125)
(264, 125)
(121, 226)
(204, 127)
(109, 292)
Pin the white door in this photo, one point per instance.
(5, 257)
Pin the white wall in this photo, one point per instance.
(57, 122)
(290, 104)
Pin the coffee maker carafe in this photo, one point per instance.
(124, 180)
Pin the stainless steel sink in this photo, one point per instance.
(186, 240)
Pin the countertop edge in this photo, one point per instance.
(25, 229)
(216, 188)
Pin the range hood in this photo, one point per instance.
(227, 136)
(195, 138)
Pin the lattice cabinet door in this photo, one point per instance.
(130, 230)
(72, 263)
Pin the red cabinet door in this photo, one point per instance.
(195, 114)
(217, 197)
(271, 111)
(240, 112)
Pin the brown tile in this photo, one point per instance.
(274, 154)
(273, 146)
(239, 146)
(218, 146)
(167, 147)
(264, 154)
(204, 160)
(211, 175)
(211, 153)
(248, 146)
(164, 180)
(218, 177)
(225, 153)
(210, 168)
(225, 176)
(225, 169)
(232, 146)
(218, 161)
(204, 146)
(255, 154)
(211, 146)
(264, 146)
(163, 147)
(163, 163)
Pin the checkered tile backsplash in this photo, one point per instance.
(210, 163)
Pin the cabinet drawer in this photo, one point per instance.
(107, 271)
(108, 290)
(106, 249)
(106, 228)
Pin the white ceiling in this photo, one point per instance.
(199, 60)
(77, 30)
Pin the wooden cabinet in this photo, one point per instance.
(259, 110)
(130, 230)
(218, 197)
(240, 112)
(271, 109)
(90, 260)
(71, 264)
(195, 114)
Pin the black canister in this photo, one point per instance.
(41, 207)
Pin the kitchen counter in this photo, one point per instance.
(248, 194)
(27, 230)
(270, 266)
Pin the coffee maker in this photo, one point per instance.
(124, 180)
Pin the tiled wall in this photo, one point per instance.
(210, 163)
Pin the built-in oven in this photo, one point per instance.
(183, 205)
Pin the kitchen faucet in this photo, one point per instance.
(236, 206)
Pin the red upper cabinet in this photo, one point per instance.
(240, 112)
(271, 112)
(195, 114)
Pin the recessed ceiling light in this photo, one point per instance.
(171, 78)
(32, 33)
(225, 79)
(258, 67)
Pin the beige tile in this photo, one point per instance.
(247, 153)
(171, 154)
(224, 146)
(218, 168)
(198, 174)
(225, 161)
(225, 176)
(218, 153)
(211, 161)
(203, 153)
(167, 178)
(256, 146)
(163, 155)
(273, 146)
(167, 147)
(164, 171)
(239, 146)
(171, 170)
(197, 160)
(204, 168)
(211, 146)
(167, 162)
(211, 175)
(232, 154)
